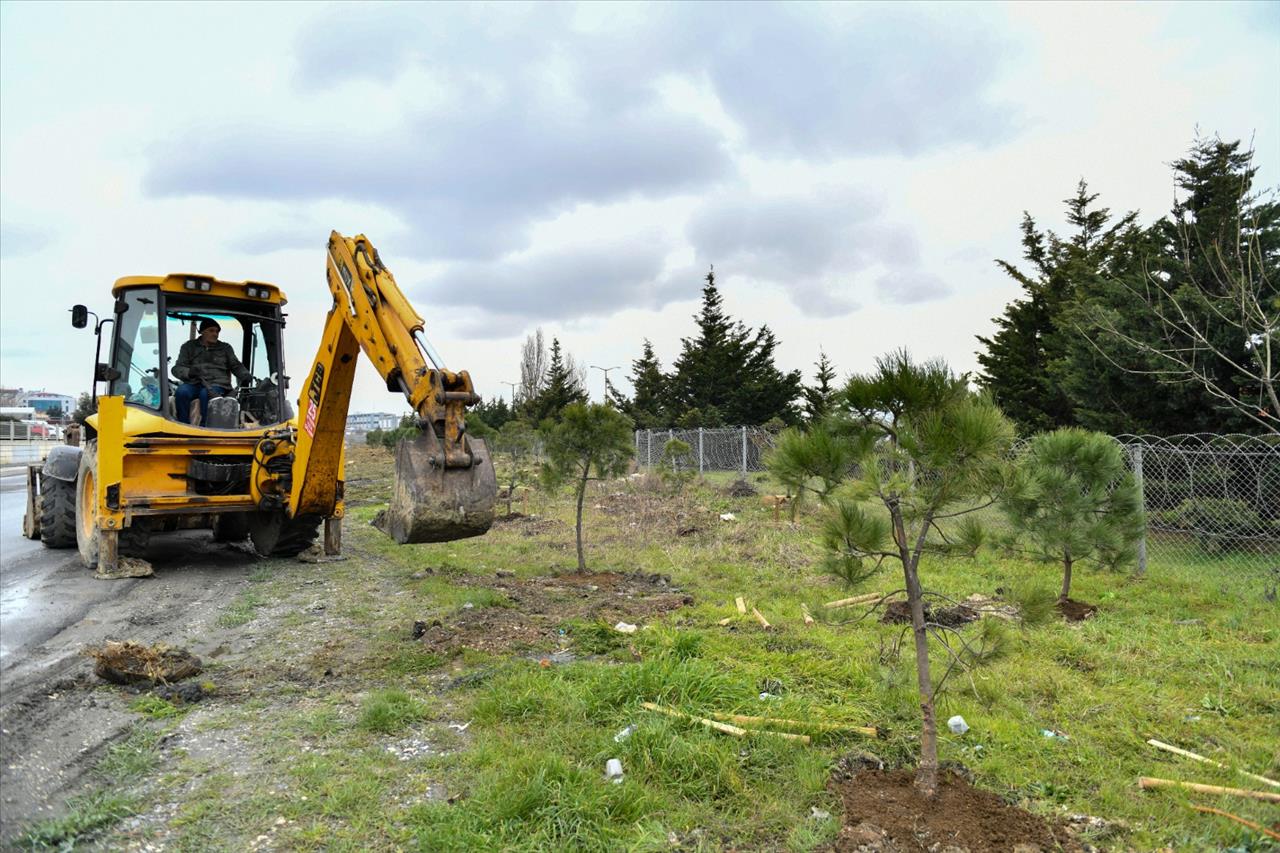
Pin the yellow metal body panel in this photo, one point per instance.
(110, 471)
(322, 419)
(177, 283)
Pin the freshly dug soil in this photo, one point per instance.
(899, 613)
(1076, 611)
(883, 811)
(540, 606)
(741, 489)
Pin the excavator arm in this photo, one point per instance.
(445, 484)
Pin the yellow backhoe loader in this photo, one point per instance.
(247, 466)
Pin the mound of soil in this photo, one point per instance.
(884, 812)
(899, 613)
(133, 663)
(540, 606)
(741, 489)
(1076, 611)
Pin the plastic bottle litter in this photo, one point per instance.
(613, 770)
(1053, 733)
(625, 628)
(728, 516)
(624, 734)
(957, 725)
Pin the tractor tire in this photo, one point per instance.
(276, 535)
(87, 507)
(231, 527)
(57, 512)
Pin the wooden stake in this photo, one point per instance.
(1256, 827)
(804, 611)
(723, 727)
(857, 599)
(742, 605)
(1189, 754)
(725, 621)
(869, 731)
(764, 623)
(1146, 783)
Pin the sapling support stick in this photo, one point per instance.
(1186, 753)
(723, 727)
(1256, 827)
(1149, 783)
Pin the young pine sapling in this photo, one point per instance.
(1072, 500)
(591, 442)
(928, 451)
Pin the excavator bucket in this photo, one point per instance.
(433, 503)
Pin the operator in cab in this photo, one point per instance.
(205, 365)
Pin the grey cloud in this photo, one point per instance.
(862, 80)
(812, 247)
(270, 240)
(18, 241)
(910, 286)
(467, 185)
(589, 281)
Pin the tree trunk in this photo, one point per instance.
(582, 491)
(1066, 578)
(927, 769)
(511, 489)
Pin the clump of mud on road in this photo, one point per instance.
(134, 663)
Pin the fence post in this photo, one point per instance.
(744, 453)
(1135, 453)
(648, 449)
(699, 451)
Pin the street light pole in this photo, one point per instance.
(605, 370)
(513, 391)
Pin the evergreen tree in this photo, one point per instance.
(818, 397)
(563, 387)
(647, 409)
(494, 414)
(728, 370)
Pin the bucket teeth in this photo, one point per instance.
(432, 503)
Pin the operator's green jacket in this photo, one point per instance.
(211, 365)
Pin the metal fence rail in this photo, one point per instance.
(1207, 498)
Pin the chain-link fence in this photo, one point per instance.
(1207, 498)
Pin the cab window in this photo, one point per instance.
(136, 355)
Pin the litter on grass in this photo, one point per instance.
(957, 725)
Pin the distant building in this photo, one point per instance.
(369, 421)
(53, 406)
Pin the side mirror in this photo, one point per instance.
(105, 373)
(79, 316)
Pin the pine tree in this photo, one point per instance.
(727, 370)
(818, 397)
(647, 409)
(563, 387)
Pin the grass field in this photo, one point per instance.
(353, 735)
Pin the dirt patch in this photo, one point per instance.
(1076, 611)
(899, 613)
(883, 811)
(741, 489)
(514, 515)
(132, 663)
(542, 605)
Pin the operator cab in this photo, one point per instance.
(154, 317)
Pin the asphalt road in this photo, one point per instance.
(41, 590)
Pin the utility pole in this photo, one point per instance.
(605, 370)
(513, 391)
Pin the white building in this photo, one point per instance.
(369, 421)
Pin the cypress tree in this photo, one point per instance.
(818, 397)
(728, 371)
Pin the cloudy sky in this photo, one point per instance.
(851, 170)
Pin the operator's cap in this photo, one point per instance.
(209, 323)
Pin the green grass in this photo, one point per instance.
(156, 708)
(242, 610)
(387, 711)
(1190, 654)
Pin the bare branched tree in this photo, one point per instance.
(1241, 296)
(533, 365)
